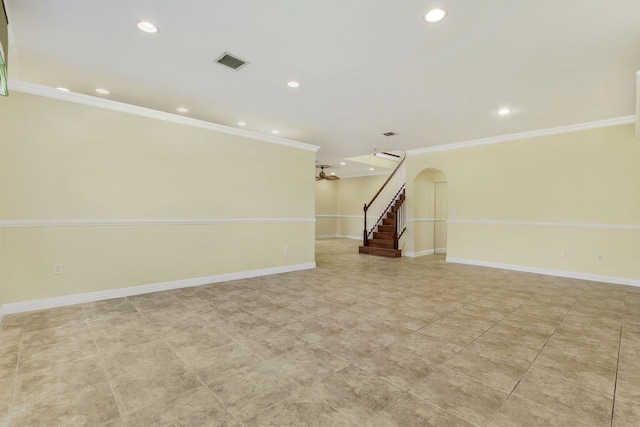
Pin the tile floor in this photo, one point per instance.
(360, 340)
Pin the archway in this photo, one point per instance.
(430, 196)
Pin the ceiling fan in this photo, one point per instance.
(323, 175)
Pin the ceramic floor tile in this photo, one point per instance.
(523, 413)
(8, 364)
(197, 407)
(565, 398)
(251, 391)
(145, 388)
(349, 346)
(401, 369)
(462, 396)
(301, 408)
(356, 394)
(410, 410)
(429, 348)
(496, 373)
(498, 349)
(313, 330)
(308, 364)
(583, 374)
(34, 358)
(92, 405)
(626, 413)
(272, 344)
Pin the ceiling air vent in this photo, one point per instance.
(389, 133)
(231, 61)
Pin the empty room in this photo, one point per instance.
(319, 213)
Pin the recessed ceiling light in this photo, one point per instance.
(504, 112)
(182, 110)
(64, 89)
(293, 84)
(435, 15)
(342, 164)
(333, 173)
(102, 91)
(241, 124)
(147, 27)
(275, 132)
(371, 169)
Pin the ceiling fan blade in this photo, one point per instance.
(319, 178)
(332, 178)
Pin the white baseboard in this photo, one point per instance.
(549, 272)
(19, 307)
(417, 254)
(337, 236)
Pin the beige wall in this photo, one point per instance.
(326, 208)
(570, 192)
(344, 200)
(65, 161)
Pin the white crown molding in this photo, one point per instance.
(524, 135)
(108, 104)
(19, 307)
(549, 272)
(547, 224)
(21, 223)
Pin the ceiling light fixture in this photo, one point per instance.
(504, 112)
(435, 15)
(342, 164)
(371, 169)
(102, 91)
(241, 124)
(275, 132)
(293, 84)
(147, 27)
(182, 110)
(64, 89)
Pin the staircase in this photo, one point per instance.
(384, 217)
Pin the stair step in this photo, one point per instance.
(389, 221)
(389, 253)
(391, 214)
(383, 235)
(379, 243)
(387, 228)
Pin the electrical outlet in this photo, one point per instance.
(57, 269)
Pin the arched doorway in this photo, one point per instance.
(430, 196)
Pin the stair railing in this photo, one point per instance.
(375, 210)
(400, 224)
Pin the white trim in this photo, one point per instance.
(108, 104)
(524, 135)
(427, 220)
(340, 216)
(18, 307)
(549, 272)
(547, 224)
(417, 254)
(21, 223)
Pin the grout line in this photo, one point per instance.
(615, 384)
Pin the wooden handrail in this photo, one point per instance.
(366, 206)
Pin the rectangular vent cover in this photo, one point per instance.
(231, 61)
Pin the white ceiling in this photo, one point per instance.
(366, 66)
